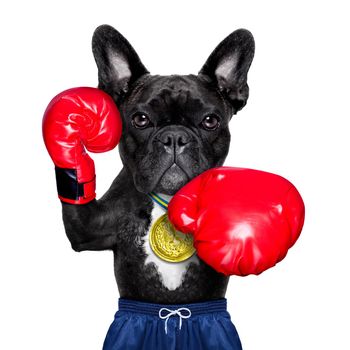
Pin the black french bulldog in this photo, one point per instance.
(174, 128)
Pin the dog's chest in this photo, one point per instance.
(171, 273)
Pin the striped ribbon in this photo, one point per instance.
(159, 200)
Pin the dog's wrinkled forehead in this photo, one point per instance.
(176, 95)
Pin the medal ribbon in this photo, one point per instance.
(160, 201)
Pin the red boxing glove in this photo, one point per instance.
(75, 119)
(243, 221)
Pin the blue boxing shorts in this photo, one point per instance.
(147, 326)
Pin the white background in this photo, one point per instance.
(295, 124)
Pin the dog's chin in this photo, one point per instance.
(171, 181)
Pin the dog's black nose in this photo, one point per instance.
(174, 140)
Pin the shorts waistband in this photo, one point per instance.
(219, 305)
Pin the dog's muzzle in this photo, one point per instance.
(174, 140)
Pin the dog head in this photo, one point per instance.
(174, 127)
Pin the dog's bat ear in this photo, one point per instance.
(117, 62)
(228, 67)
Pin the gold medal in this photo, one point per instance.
(169, 244)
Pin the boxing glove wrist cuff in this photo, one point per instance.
(70, 190)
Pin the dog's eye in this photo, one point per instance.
(210, 122)
(140, 121)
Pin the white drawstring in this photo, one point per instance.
(172, 313)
